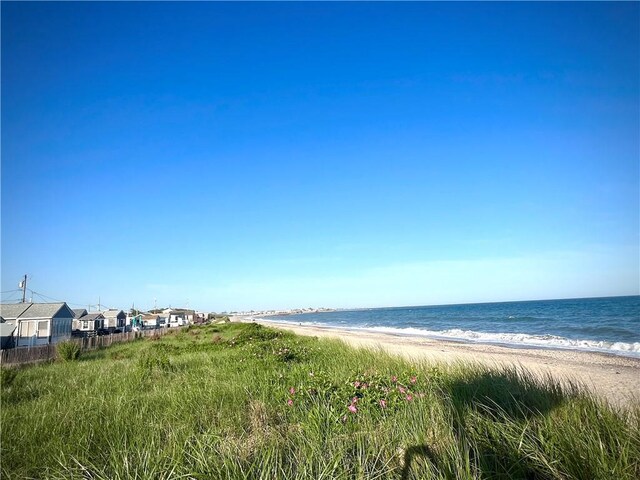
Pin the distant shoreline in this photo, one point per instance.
(613, 377)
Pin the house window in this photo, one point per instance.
(43, 328)
(27, 328)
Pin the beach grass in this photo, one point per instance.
(246, 401)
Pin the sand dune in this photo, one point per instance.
(615, 378)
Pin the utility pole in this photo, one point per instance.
(23, 286)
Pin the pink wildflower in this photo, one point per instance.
(414, 379)
(383, 403)
(402, 389)
(394, 379)
(290, 402)
(354, 400)
(409, 398)
(352, 409)
(356, 384)
(292, 391)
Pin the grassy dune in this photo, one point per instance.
(245, 401)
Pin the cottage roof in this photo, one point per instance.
(6, 329)
(79, 312)
(91, 316)
(112, 313)
(150, 317)
(11, 311)
(45, 310)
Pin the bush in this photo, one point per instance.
(7, 376)
(150, 361)
(68, 351)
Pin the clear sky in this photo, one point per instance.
(251, 155)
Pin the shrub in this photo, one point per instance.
(7, 376)
(68, 351)
(150, 361)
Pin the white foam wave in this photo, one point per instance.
(509, 339)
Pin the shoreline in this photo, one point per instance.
(614, 378)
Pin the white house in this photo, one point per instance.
(179, 316)
(38, 323)
(151, 321)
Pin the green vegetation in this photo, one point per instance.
(244, 401)
(68, 351)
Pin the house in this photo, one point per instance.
(179, 316)
(78, 312)
(135, 321)
(6, 334)
(150, 321)
(163, 320)
(114, 319)
(38, 323)
(89, 322)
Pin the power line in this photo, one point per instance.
(13, 298)
(46, 297)
(11, 291)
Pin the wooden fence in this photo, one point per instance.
(41, 353)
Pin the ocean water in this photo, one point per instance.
(610, 325)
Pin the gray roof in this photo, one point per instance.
(112, 313)
(79, 312)
(11, 311)
(26, 311)
(45, 310)
(91, 316)
(6, 329)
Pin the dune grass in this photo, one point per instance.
(245, 401)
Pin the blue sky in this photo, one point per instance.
(251, 155)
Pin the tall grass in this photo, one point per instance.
(245, 401)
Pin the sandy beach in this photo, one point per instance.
(615, 378)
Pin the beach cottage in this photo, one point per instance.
(6, 334)
(150, 321)
(180, 316)
(89, 323)
(114, 319)
(38, 323)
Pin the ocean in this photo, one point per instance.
(609, 325)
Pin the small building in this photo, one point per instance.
(180, 316)
(38, 323)
(114, 319)
(135, 321)
(78, 312)
(6, 334)
(150, 321)
(89, 322)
